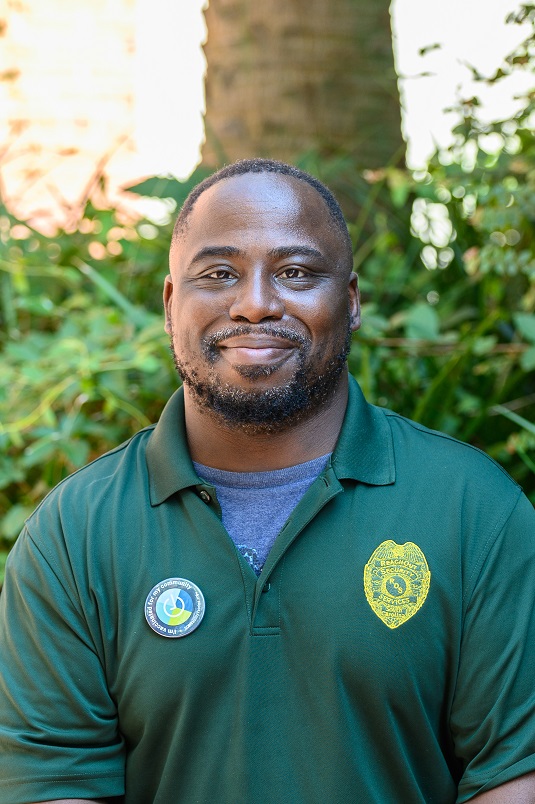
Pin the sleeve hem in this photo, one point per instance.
(85, 786)
(467, 790)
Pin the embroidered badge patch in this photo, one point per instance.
(174, 607)
(396, 581)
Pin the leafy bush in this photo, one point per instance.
(449, 332)
(83, 354)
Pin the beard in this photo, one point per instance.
(268, 410)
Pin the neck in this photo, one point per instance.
(214, 443)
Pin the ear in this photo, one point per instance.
(167, 301)
(354, 302)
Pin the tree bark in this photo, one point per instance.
(287, 77)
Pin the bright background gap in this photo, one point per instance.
(123, 79)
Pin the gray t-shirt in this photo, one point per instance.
(256, 505)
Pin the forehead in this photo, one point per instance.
(260, 206)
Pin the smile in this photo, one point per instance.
(255, 350)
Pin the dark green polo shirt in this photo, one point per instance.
(383, 655)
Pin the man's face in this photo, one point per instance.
(259, 304)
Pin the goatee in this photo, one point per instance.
(269, 410)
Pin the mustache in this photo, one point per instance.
(211, 342)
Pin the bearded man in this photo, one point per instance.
(279, 594)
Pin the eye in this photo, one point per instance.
(216, 277)
(293, 273)
(219, 273)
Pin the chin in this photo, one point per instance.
(264, 398)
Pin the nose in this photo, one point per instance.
(256, 300)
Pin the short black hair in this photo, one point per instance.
(259, 165)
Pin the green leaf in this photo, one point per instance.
(527, 360)
(137, 315)
(169, 187)
(422, 322)
(484, 345)
(148, 363)
(76, 451)
(525, 324)
(514, 417)
(39, 452)
(10, 472)
(14, 520)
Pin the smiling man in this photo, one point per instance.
(279, 593)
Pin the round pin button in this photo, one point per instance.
(174, 607)
(205, 497)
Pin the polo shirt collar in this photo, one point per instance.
(168, 458)
(364, 451)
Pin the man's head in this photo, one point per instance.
(261, 301)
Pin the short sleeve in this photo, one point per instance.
(59, 735)
(493, 713)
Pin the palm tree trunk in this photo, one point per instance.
(286, 77)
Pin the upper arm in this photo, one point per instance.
(492, 718)
(518, 791)
(73, 801)
(51, 673)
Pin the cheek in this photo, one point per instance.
(186, 328)
(331, 330)
(181, 340)
(326, 322)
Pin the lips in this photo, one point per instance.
(255, 349)
(256, 342)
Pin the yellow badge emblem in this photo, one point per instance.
(396, 581)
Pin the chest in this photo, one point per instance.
(357, 599)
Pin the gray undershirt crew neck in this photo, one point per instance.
(256, 505)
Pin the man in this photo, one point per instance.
(280, 593)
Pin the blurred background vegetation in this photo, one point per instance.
(446, 258)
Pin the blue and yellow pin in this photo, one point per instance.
(174, 607)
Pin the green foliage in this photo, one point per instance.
(169, 187)
(447, 266)
(84, 358)
(449, 325)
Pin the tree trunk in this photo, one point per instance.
(287, 77)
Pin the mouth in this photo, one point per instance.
(255, 350)
(259, 348)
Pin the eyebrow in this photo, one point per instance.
(216, 251)
(282, 252)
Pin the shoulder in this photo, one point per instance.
(470, 504)
(422, 450)
(440, 476)
(90, 485)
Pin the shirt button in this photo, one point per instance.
(205, 497)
